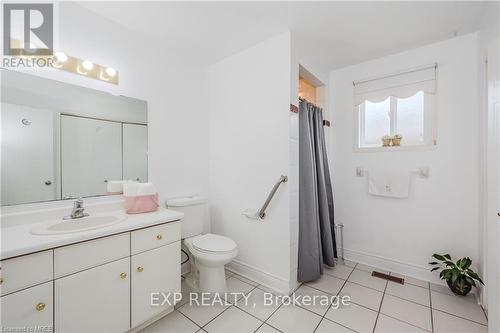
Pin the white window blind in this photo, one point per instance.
(401, 85)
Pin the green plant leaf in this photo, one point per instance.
(474, 276)
(455, 274)
(471, 281)
(433, 263)
(432, 270)
(467, 263)
(447, 256)
(450, 264)
(439, 257)
(445, 274)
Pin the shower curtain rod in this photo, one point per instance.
(326, 123)
(305, 100)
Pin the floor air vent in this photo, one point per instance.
(388, 277)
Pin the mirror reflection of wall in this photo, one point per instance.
(77, 138)
(28, 140)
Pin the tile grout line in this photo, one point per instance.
(230, 306)
(484, 311)
(367, 308)
(408, 300)
(337, 323)
(430, 302)
(323, 317)
(199, 327)
(404, 322)
(336, 295)
(362, 285)
(272, 314)
(454, 315)
(380, 306)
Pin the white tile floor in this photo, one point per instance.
(377, 306)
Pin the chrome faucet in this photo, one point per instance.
(77, 212)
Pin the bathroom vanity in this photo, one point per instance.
(97, 280)
(90, 273)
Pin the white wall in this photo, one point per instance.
(488, 240)
(249, 150)
(178, 123)
(441, 214)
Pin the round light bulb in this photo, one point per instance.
(87, 65)
(110, 71)
(61, 56)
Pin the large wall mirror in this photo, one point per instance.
(61, 141)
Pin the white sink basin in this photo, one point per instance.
(77, 225)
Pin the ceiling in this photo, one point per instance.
(330, 34)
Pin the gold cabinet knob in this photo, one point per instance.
(40, 306)
(159, 237)
(1, 280)
(123, 275)
(140, 269)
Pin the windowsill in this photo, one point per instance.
(394, 149)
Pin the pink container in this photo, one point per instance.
(141, 204)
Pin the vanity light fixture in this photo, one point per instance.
(84, 67)
(61, 56)
(110, 71)
(62, 61)
(59, 59)
(107, 74)
(87, 65)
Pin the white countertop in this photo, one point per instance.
(18, 240)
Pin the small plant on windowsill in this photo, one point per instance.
(458, 275)
(396, 139)
(386, 141)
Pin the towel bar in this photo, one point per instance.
(422, 172)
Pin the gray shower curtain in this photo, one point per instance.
(316, 224)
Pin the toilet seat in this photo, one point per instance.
(214, 244)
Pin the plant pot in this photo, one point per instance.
(396, 142)
(455, 287)
(386, 142)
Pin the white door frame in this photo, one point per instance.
(493, 186)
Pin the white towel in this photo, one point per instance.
(130, 189)
(116, 186)
(388, 183)
(146, 189)
(136, 189)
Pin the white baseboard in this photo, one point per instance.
(273, 282)
(393, 265)
(151, 320)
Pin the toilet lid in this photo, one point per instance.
(214, 243)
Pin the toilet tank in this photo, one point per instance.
(194, 209)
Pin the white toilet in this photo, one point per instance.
(209, 252)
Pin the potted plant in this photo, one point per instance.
(396, 139)
(458, 275)
(386, 141)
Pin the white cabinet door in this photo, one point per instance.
(95, 300)
(28, 309)
(153, 271)
(28, 139)
(135, 152)
(25, 271)
(91, 153)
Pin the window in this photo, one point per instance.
(396, 106)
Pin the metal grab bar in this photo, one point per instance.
(262, 211)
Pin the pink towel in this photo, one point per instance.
(141, 203)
